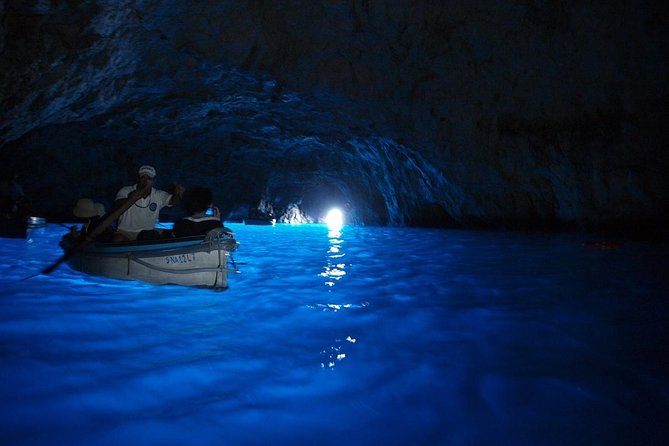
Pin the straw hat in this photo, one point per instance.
(86, 208)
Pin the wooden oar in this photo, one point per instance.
(132, 198)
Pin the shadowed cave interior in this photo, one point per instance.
(529, 115)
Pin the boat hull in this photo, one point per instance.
(260, 221)
(194, 261)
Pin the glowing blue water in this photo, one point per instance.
(376, 336)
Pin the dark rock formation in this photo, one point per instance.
(532, 114)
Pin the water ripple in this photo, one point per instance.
(403, 336)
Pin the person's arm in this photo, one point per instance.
(177, 195)
(119, 202)
(134, 195)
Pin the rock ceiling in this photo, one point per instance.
(514, 114)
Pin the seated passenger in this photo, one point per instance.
(95, 213)
(204, 217)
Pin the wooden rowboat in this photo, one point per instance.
(200, 261)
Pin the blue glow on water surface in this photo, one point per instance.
(383, 336)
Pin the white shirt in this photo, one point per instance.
(143, 214)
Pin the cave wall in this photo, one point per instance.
(544, 111)
(524, 113)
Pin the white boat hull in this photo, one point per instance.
(190, 262)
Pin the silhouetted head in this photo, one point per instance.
(197, 199)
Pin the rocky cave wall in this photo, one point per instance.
(519, 114)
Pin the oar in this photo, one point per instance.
(132, 198)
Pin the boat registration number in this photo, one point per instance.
(183, 258)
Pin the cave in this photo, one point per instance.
(533, 115)
(499, 275)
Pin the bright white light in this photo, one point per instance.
(334, 220)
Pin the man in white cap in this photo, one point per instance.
(142, 216)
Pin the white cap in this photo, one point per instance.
(149, 171)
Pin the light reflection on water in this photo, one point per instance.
(334, 269)
(366, 336)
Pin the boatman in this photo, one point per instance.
(139, 221)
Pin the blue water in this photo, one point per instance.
(374, 336)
